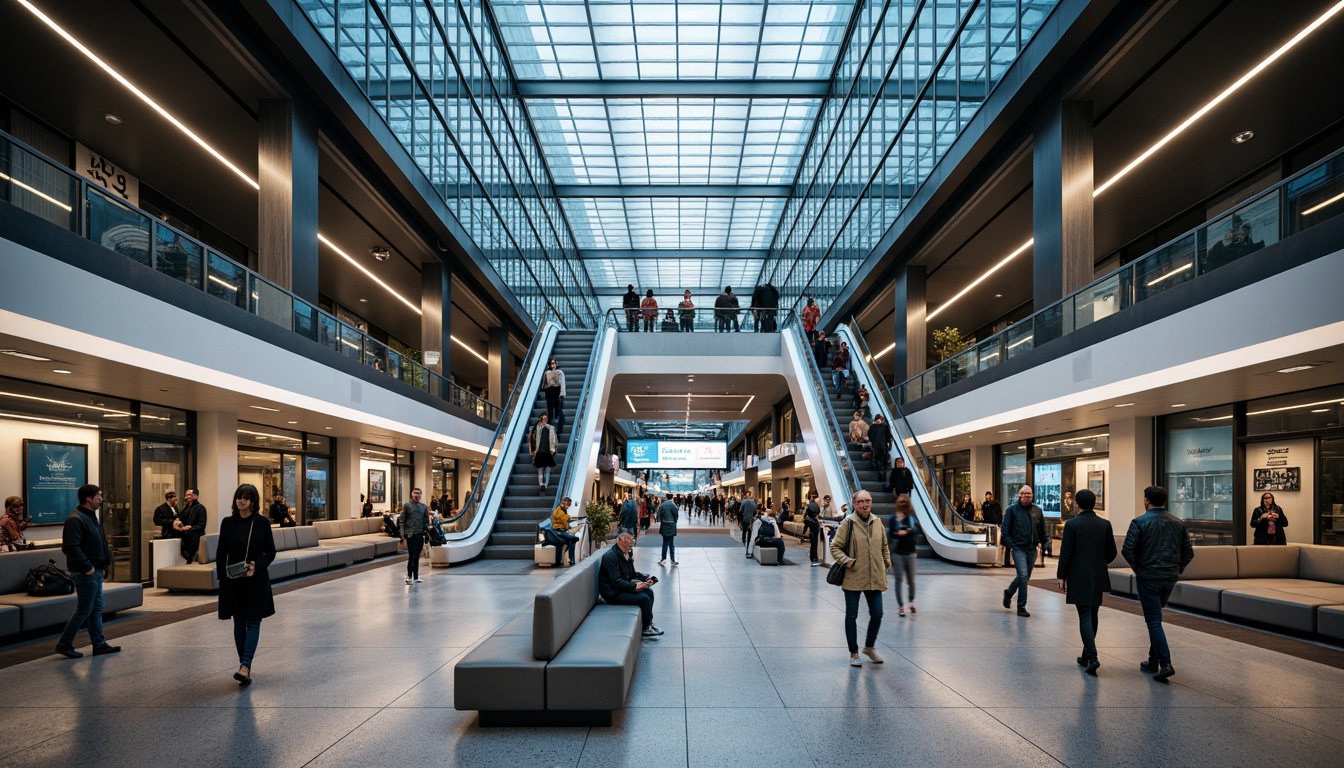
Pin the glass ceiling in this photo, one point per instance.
(673, 222)
(633, 39)
(673, 141)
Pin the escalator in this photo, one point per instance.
(522, 505)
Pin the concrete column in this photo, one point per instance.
(347, 477)
(1131, 470)
(982, 473)
(216, 464)
(462, 480)
(498, 385)
(287, 203)
(912, 333)
(436, 315)
(1062, 184)
(422, 476)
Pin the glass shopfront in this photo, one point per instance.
(1199, 451)
(292, 464)
(1055, 467)
(387, 476)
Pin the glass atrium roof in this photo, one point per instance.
(630, 39)
(673, 222)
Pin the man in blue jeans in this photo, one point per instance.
(1158, 549)
(1023, 532)
(87, 556)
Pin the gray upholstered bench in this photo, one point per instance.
(569, 662)
(20, 612)
(769, 556)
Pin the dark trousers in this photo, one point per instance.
(88, 610)
(777, 543)
(648, 325)
(687, 324)
(246, 635)
(414, 544)
(554, 413)
(1153, 596)
(191, 545)
(1087, 627)
(813, 538)
(564, 540)
(1025, 562)
(669, 545)
(874, 598)
(642, 598)
(632, 320)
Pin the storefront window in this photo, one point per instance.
(1012, 472)
(317, 489)
(1298, 412)
(274, 438)
(157, 420)
(1199, 473)
(24, 401)
(1330, 506)
(1082, 443)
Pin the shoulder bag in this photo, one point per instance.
(836, 575)
(239, 570)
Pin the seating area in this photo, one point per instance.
(569, 662)
(1298, 587)
(20, 612)
(306, 549)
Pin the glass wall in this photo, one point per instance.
(270, 458)
(910, 79)
(1199, 450)
(436, 74)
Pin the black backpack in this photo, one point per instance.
(48, 580)
(767, 531)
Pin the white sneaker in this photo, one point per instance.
(674, 562)
(408, 581)
(855, 661)
(662, 562)
(417, 581)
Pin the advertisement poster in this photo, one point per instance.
(52, 475)
(1046, 483)
(676, 454)
(377, 486)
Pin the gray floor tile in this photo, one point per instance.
(875, 737)
(811, 679)
(662, 740)
(1326, 722)
(728, 678)
(660, 678)
(731, 737)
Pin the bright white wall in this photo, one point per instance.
(1298, 506)
(364, 466)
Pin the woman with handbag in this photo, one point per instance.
(246, 550)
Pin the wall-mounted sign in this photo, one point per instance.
(676, 454)
(52, 475)
(1207, 449)
(1047, 493)
(98, 170)
(1278, 479)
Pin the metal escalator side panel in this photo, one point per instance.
(586, 431)
(815, 415)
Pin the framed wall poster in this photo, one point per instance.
(1096, 483)
(377, 486)
(1287, 479)
(52, 475)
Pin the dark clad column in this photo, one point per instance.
(499, 365)
(436, 314)
(1062, 184)
(911, 324)
(287, 202)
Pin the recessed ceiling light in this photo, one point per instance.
(380, 253)
(1243, 137)
(363, 301)
(291, 422)
(111, 118)
(26, 355)
(264, 408)
(59, 370)
(328, 427)
(1295, 368)
(998, 295)
(1178, 405)
(1123, 405)
(1007, 431)
(1320, 410)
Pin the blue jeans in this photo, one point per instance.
(669, 545)
(246, 634)
(874, 598)
(1153, 596)
(568, 540)
(1024, 561)
(88, 609)
(1088, 616)
(838, 378)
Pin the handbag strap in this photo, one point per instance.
(247, 549)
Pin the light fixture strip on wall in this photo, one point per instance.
(1178, 130)
(463, 345)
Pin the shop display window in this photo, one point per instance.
(1199, 473)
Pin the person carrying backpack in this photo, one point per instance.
(629, 522)
(767, 535)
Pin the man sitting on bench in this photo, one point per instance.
(620, 584)
(767, 534)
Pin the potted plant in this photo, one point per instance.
(599, 521)
(948, 342)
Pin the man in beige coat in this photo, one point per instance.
(861, 546)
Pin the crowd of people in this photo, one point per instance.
(642, 313)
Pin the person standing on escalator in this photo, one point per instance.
(901, 481)
(553, 384)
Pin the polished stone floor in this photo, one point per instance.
(752, 670)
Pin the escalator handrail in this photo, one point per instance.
(571, 455)
(882, 393)
(838, 441)
(547, 329)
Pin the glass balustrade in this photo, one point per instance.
(1294, 205)
(35, 184)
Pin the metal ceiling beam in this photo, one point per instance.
(673, 253)
(671, 190)
(669, 89)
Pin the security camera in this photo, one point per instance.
(380, 253)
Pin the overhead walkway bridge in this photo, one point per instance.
(502, 515)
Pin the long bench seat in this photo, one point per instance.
(299, 551)
(570, 661)
(1297, 586)
(20, 612)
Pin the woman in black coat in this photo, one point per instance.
(1269, 521)
(1089, 545)
(245, 536)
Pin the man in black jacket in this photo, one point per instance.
(630, 303)
(725, 310)
(165, 514)
(879, 437)
(87, 556)
(902, 480)
(1088, 547)
(1023, 532)
(190, 525)
(764, 305)
(1158, 548)
(620, 584)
